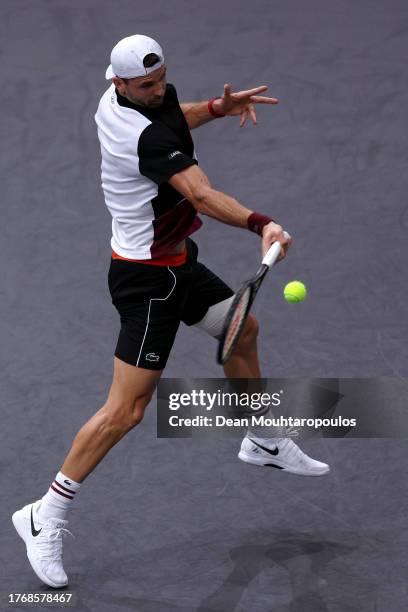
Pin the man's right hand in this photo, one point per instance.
(271, 233)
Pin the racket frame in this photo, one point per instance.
(254, 283)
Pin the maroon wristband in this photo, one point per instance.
(211, 109)
(257, 222)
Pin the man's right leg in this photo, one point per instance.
(41, 524)
(130, 393)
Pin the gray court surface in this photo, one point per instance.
(182, 525)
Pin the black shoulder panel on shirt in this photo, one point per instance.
(162, 153)
(172, 93)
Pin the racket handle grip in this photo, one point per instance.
(273, 253)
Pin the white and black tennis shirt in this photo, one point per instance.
(141, 149)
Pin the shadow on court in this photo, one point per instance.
(301, 571)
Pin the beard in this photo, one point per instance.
(156, 102)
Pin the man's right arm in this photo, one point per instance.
(194, 185)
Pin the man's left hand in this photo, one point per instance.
(242, 103)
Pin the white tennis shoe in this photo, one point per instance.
(43, 540)
(280, 453)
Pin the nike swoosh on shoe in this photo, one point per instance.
(275, 451)
(34, 531)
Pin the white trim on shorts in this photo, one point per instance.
(148, 312)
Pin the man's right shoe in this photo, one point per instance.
(43, 539)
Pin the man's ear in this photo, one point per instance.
(119, 84)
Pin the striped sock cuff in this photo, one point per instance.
(65, 486)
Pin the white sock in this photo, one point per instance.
(58, 499)
(267, 433)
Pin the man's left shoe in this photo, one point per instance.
(281, 453)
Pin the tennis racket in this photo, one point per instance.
(241, 304)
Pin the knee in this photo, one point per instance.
(122, 416)
(249, 334)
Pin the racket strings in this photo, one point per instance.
(236, 323)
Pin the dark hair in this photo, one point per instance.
(149, 60)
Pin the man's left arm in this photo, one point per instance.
(229, 104)
(197, 113)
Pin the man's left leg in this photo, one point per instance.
(244, 362)
(281, 453)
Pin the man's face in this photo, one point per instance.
(146, 90)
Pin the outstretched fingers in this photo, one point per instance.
(252, 113)
(244, 117)
(264, 100)
(251, 92)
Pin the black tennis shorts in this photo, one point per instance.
(152, 300)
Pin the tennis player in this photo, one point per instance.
(154, 190)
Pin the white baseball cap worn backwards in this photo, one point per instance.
(128, 55)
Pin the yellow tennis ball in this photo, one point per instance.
(295, 291)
